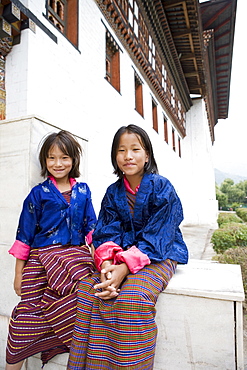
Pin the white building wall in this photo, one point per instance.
(200, 203)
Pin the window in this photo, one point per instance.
(151, 56)
(179, 147)
(173, 140)
(164, 83)
(155, 116)
(143, 35)
(123, 6)
(165, 130)
(138, 95)
(133, 16)
(63, 14)
(179, 110)
(172, 96)
(112, 62)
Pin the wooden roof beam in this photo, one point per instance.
(171, 3)
(212, 19)
(181, 34)
(187, 56)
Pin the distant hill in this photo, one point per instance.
(221, 176)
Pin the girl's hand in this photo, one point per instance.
(17, 283)
(19, 265)
(105, 275)
(112, 277)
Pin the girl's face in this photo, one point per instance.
(58, 164)
(131, 156)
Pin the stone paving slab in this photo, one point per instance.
(197, 239)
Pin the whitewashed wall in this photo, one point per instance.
(199, 202)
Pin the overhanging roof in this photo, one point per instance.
(219, 16)
(188, 20)
(183, 18)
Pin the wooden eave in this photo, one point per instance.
(155, 16)
(220, 16)
(210, 77)
(183, 18)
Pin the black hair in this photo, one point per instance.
(68, 144)
(150, 166)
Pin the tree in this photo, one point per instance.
(234, 193)
(226, 186)
(221, 197)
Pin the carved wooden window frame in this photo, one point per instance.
(63, 14)
(112, 61)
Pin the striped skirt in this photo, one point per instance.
(43, 320)
(119, 333)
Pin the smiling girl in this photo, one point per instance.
(51, 256)
(138, 245)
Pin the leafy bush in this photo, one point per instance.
(228, 217)
(242, 213)
(237, 256)
(232, 234)
(222, 239)
(235, 205)
(241, 236)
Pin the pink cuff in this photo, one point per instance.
(134, 259)
(89, 237)
(105, 251)
(20, 250)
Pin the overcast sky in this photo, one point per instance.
(230, 147)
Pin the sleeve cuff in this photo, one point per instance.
(89, 237)
(20, 250)
(134, 259)
(106, 251)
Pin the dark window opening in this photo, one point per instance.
(179, 147)
(138, 95)
(112, 62)
(165, 130)
(155, 116)
(173, 140)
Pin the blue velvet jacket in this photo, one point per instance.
(154, 228)
(47, 218)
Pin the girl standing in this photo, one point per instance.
(138, 245)
(51, 255)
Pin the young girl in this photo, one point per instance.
(138, 245)
(51, 255)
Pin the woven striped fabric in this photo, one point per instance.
(43, 321)
(119, 333)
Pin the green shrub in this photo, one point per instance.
(241, 236)
(237, 256)
(232, 234)
(242, 213)
(235, 206)
(222, 239)
(224, 218)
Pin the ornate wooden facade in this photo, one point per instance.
(183, 48)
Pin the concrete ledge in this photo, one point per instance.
(199, 318)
